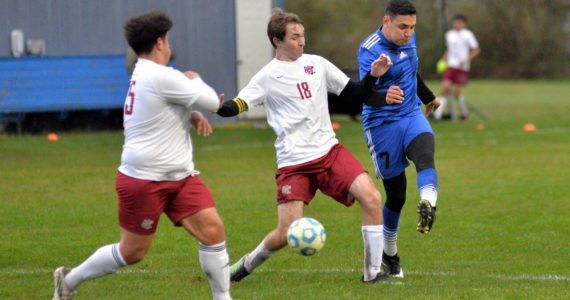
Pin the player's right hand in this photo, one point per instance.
(394, 95)
(380, 66)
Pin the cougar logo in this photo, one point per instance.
(147, 224)
(286, 189)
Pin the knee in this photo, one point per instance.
(133, 254)
(371, 198)
(212, 232)
(422, 151)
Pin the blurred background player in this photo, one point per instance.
(399, 131)
(462, 48)
(293, 87)
(157, 171)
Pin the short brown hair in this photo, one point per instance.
(277, 26)
(142, 31)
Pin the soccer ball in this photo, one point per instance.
(306, 236)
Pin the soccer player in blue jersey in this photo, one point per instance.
(398, 132)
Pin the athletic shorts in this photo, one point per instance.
(456, 76)
(332, 173)
(141, 202)
(388, 142)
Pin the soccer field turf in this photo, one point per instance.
(503, 227)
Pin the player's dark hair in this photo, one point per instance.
(460, 17)
(277, 26)
(400, 7)
(142, 31)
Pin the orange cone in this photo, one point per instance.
(335, 125)
(529, 127)
(480, 126)
(52, 137)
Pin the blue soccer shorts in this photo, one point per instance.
(388, 142)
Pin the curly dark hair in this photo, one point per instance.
(142, 31)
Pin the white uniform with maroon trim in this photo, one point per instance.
(157, 125)
(459, 43)
(295, 96)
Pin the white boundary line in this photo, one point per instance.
(505, 277)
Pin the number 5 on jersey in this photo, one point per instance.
(304, 90)
(131, 100)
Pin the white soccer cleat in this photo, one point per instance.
(61, 292)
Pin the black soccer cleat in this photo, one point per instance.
(391, 265)
(380, 277)
(426, 218)
(238, 271)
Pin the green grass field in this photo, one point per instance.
(503, 228)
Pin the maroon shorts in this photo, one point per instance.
(456, 76)
(333, 174)
(141, 202)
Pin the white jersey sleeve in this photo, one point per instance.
(255, 92)
(471, 40)
(179, 89)
(335, 78)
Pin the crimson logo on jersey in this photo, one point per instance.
(310, 70)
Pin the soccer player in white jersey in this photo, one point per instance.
(462, 48)
(293, 87)
(157, 172)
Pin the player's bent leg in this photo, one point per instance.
(421, 151)
(106, 260)
(208, 228)
(133, 246)
(370, 200)
(275, 240)
(206, 225)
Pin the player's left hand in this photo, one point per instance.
(380, 66)
(201, 124)
(432, 106)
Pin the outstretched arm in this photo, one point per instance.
(232, 107)
(364, 89)
(427, 97)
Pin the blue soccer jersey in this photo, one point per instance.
(402, 73)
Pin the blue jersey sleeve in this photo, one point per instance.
(365, 58)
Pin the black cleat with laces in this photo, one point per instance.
(426, 218)
(391, 265)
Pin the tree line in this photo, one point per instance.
(518, 38)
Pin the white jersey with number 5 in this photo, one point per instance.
(157, 125)
(295, 96)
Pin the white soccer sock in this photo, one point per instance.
(373, 247)
(429, 193)
(438, 113)
(463, 106)
(215, 263)
(106, 260)
(257, 257)
(390, 241)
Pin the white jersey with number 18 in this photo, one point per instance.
(157, 125)
(295, 96)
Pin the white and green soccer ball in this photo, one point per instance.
(306, 236)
